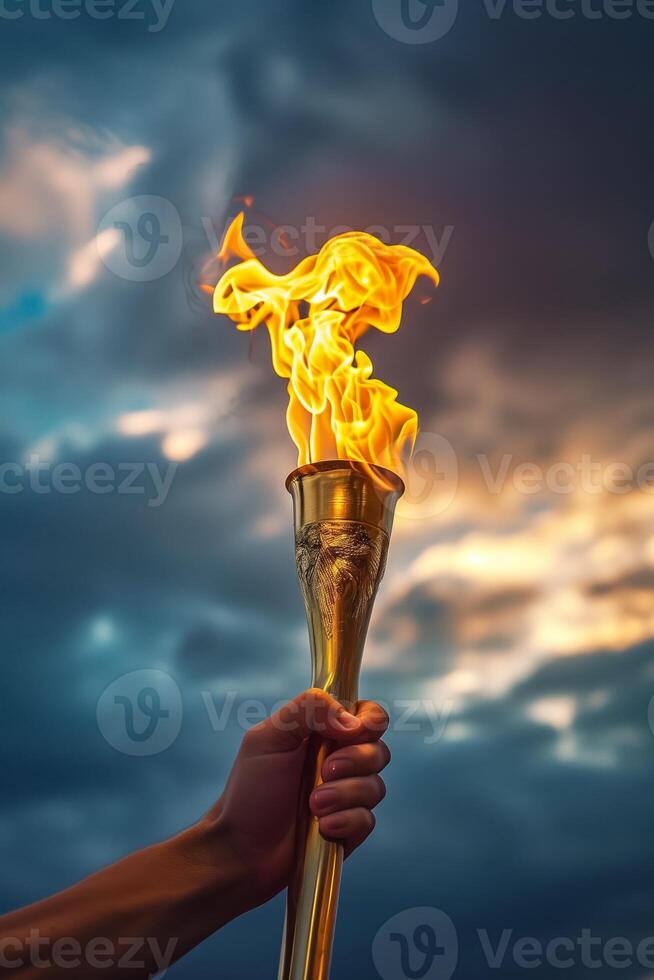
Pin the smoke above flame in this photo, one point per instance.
(315, 316)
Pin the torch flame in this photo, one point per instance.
(315, 315)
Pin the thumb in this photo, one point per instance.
(312, 712)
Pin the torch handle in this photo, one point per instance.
(312, 901)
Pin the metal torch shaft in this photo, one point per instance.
(312, 902)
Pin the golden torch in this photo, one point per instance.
(352, 437)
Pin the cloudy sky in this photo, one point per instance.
(514, 633)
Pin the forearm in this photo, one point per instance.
(139, 915)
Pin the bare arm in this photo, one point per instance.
(145, 912)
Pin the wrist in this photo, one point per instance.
(218, 881)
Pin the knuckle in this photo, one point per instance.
(313, 707)
(380, 788)
(252, 734)
(381, 755)
(315, 694)
(383, 716)
(341, 796)
(369, 821)
(367, 790)
(327, 830)
(307, 699)
(311, 699)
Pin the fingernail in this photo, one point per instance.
(347, 721)
(340, 768)
(323, 799)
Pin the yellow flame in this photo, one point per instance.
(315, 315)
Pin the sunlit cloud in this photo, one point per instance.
(85, 262)
(521, 578)
(117, 169)
(558, 713)
(190, 417)
(142, 423)
(183, 444)
(529, 595)
(52, 187)
(53, 191)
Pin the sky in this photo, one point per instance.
(143, 452)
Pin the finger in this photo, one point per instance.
(356, 760)
(351, 843)
(349, 826)
(374, 720)
(312, 712)
(346, 794)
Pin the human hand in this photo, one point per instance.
(257, 813)
(239, 855)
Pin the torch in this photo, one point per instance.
(343, 518)
(352, 437)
